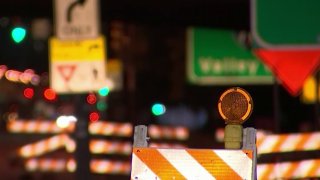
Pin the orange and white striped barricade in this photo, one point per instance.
(204, 164)
(46, 165)
(276, 143)
(109, 167)
(43, 146)
(109, 147)
(106, 128)
(37, 126)
(99, 166)
(290, 170)
(166, 132)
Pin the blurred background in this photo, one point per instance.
(149, 80)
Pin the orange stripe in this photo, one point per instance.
(302, 141)
(213, 164)
(266, 175)
(157, 163)
(260, 141)
(289, 172)
(278, 144)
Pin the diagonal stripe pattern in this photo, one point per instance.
(197, 164)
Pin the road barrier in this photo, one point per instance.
(103, 128)
(290, 170)
(280, 143)
(153, 163)
(159, 163)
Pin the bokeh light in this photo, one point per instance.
(158, 109)
(18, 34)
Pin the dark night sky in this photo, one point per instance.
(230, 14)
(162, 17)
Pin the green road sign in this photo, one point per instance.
(286, 24)
(215, 57)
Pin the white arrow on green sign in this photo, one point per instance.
(215, 57)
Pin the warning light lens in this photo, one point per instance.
(50, 94)
(28, 93)
(235, 105)
(158, 109)
(94, 116)
(91, 99)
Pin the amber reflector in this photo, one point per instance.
(235, 105)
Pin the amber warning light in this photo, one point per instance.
(235, 105)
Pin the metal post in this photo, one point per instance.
(140, 136)
(249, 142)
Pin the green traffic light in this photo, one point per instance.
(158, 109)
(18, 34)
(104, 91)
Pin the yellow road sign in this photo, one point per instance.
(77, 66)
(83, 50)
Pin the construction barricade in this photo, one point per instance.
(153, 163)
(205, 164)
(108, 138)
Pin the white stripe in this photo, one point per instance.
(275, 171)
(268, 144)
(313, 142)
(280, 169)
(303, 169)
(238, 161)
(261, 170)
(186, 164)
(290, 143)
(140, 171)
